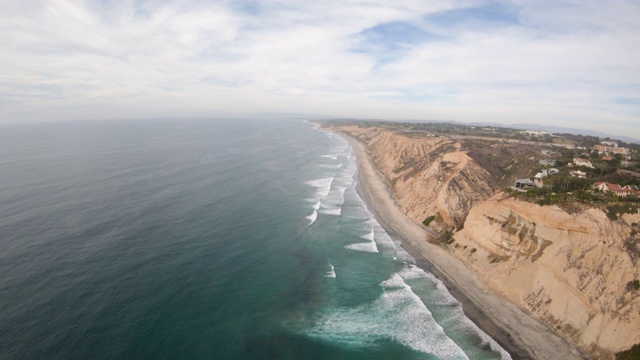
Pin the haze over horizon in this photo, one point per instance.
(563, 63)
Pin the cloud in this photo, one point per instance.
(545, 62)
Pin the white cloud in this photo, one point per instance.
(572, 63)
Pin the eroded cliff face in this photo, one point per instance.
(429, 177)
(569, 270)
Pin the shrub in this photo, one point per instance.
(633, 285)
(428, 220)
(618, 209)
(631, 354)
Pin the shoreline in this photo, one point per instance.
(522, 336)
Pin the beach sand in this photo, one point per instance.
(521, 335)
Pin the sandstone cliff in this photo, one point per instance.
(429, 177)
(570, 270)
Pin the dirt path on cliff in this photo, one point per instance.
(521, 335)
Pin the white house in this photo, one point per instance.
(579, 174)
(582, 162)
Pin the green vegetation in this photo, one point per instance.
(473, 250)
(633, 285)
(428, 220)
(446, 237)
(617, 210)
(631, 354)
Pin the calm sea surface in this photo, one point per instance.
(206, 240)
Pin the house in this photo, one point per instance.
(605, 186)
(607, 158)
(537, 180)
(582, 162)
(579, 174)
(553, 171)
(524, 184)
(616, 189)
(545, 162)
(631, 187)
(541, 174)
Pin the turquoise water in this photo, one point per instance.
(206, 239)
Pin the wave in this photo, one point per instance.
(370, 245)
(332, 211)
(329, 166)
(332, 272)
(330, 156)
(323, 186)
(364, 247)
(314, 215)
(397, 314)
(369, 236)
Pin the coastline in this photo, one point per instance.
(519, 334)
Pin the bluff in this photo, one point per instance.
(429, 177)
(575, 270)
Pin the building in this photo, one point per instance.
(545, 162)
(617, 189)
(582, 162)
(524, 184)
(611, 149)
(537, 180)
(578, 174)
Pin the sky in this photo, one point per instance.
(563, 63)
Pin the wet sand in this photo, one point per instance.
(520, 334)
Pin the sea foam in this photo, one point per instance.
(398, 315)
(314, 215)
(323, 186)
(365, 247)
(332, 272)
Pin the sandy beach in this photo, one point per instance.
(521, 335)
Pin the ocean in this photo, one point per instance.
(238, 239)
